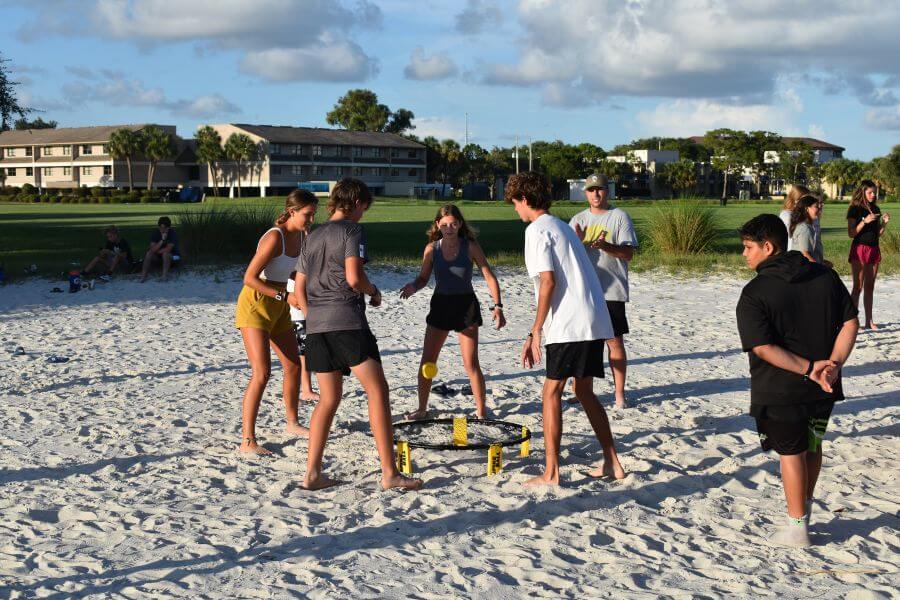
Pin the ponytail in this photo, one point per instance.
(296, 200)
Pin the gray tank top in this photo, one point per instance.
(454, 276)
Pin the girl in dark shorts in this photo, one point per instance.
(865, 224)
(450, 252)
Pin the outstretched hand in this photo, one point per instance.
(825, 373)
(579, 232)
(407, 290)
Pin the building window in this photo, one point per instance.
(28, 151)
(296, 169)
(48, 171)
(395, 153)
(357, 171)
(357, 151)
(47, 151)
(105, 148)
(275, 150)
(107, 170)
(377, 171)
(10, 172)
(10, 152)
(339, 171)
(86, 149)
(67, 151)
(317, 169)
(412, 154)
(294, 149)
(276, 169)
(317, 150)
(412, 173)
(29, 172)
(67, 170)
(86, 170)
(376, 152)
(395, 172)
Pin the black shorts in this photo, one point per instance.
(575, 359)
(794, 429)
(454, 312)
(340, 350)
(617, 316)
(300, 331)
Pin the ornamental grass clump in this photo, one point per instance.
(223, 233)
(679, 227)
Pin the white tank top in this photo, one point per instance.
(279, 268)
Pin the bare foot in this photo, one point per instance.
(872, 325)
(319, 482)
(251, 447)
(400, 481)
(417, 415)
(309, 396)
(296, 429)
(542, 481)
(482, 414)
(621, 402)
(611, 469)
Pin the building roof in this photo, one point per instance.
(331, 137)
(811, 142)
(66, 135)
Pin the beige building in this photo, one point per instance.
(79, 157)
(316, 158)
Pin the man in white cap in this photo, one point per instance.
(609, 236)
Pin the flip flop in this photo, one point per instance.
(19, 351)
(442, 389)
(466, 390)
(56, 359)
(56, 290)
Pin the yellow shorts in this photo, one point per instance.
(261, 312)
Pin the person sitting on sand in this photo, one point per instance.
(805, 237)
(331, 286)
(263, 316)
(571, 320)
(115, 254)
(450, 253)
(163, 249)
(798, 324)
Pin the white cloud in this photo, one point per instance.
(436, 66)
(816, 131)
(478, 16)
(701, 48)
(688, 117)
(442, 128)
(289, 32)
(884, 118)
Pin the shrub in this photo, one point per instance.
(146, 199)
(134, 196)
(26, 197)
(56, 199)
(222, 232)
(82, 192)
(682, 228)
(97, 191)
(104, 200)
(890, 241)
(119, 199)
(84, 200)
(28, 189)
(94, 199)
(64, 199)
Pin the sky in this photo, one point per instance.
(598, 71)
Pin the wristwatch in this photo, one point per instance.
(281, 295)
(808, 370)
(497, 305)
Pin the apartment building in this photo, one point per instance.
(79, 157)
(316, 158)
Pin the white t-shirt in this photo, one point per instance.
(578, 310)
(296, 313)
(619, 230)
(785, 216)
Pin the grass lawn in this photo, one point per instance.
(53, 235)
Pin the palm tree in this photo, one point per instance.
(157, 146)
(209, 152)
(238, 148)
(123, 145)
(680, 175)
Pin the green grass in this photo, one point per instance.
(53, 235)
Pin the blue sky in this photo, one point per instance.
(603, 71)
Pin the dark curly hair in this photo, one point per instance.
(532, 186)
(347, 193)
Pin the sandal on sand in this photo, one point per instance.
(466, 390)
(56, 359)
(442, 389)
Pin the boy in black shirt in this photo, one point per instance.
(116, 253)
(798, 324)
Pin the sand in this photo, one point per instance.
(119, 476)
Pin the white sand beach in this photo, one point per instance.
(119, 475)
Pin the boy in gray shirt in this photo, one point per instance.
(610, 239)
(330, 289)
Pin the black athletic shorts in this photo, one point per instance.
(454, 312)
(794, 429)
(617, 316)
(575, 359)
(340, 350)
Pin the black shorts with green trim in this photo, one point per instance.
(790, 430)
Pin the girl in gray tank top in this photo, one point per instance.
(450, 253)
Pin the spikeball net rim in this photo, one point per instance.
(469, 446)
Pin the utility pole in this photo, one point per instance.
(530, 168)
(467, 131)
(517, 154)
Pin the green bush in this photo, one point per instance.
(26, 197)
(890, 241)
(28, 189)
(84, 200)
(97, 191)
(134, 196)
(82, 192)
(119, 199)
(104, 200)
(94, 199)
(682, 228)
(56, 199)
(223, 232)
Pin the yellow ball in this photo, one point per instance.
(429, 370)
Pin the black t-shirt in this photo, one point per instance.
(119, 247)
(171, 238)
(800, 306)
(868, 235)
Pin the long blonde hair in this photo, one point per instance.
(797, 192)
(450, 210)
(295, 201)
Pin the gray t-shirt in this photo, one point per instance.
(619, 230)
(807, 239)
(333, 305)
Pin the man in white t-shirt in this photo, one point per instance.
(571, 321)
(609, 236)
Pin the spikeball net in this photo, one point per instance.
(460, 433)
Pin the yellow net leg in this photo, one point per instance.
(525, 449)
(460, 432)
(404, 460)
(495, 459)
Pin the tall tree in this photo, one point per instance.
(22, 123)
(558, 161)
(843, 172)
(680, 175)
(157, 145)
(359, 110)
(758, 143)
(610, 168)
(728, 153)
(210, 153)
(239, 148)
(124, 144)
(9, 103)
(591, 156)
(794, 160)
(433, 158)
(474, 163)
(451, 162)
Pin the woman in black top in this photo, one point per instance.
(865, 224)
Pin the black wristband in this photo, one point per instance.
(497, 305)
(808, 370)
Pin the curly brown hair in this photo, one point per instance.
(347, 193)
(296, 200)
(532, 186)
(450, 210)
